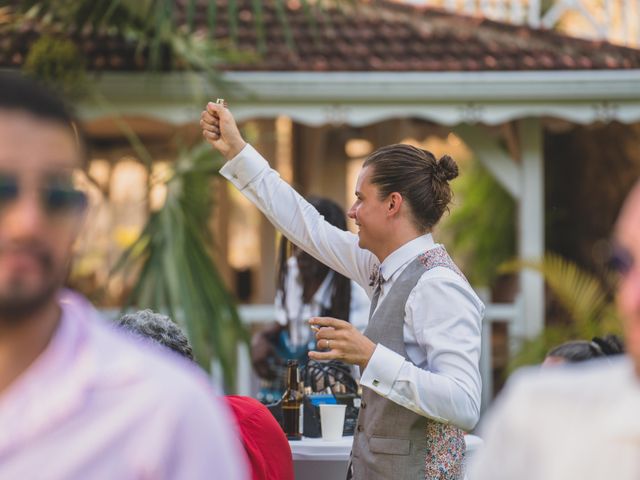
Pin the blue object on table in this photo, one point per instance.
(322, 398)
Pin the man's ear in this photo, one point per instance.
(394, 202)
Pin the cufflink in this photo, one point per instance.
(375, 383)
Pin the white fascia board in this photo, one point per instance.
(385, 86)
(360, 98)
(439, 86)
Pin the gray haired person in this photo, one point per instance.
(160, 329)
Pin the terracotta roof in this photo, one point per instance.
(367, 36)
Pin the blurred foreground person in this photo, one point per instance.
(578, 422)
(79, 400)
(264, 441)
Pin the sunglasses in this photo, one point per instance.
(620, 259)
(57, 194)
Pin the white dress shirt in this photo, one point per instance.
(563, 423)
(443, 315)
(296, 313)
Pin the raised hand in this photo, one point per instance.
(219, 128)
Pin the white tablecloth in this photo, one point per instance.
(315, 459)
(318, 449)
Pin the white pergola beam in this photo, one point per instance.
(493, 157)
(531, 226)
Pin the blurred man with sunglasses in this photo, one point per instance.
(576, 422)
(77, 399)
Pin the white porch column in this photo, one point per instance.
(531, 226)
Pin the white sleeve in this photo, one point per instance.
(298, 220)
(445, 317)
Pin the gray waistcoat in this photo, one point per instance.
(390, 441)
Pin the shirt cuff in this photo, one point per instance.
(382, 370)
(244, 167)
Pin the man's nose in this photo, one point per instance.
(352, 212)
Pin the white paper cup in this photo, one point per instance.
(332, 421)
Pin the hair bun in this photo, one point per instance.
(447, 168)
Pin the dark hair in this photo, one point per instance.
(422, 180)
(158, 328)
(581, 350)
(21, 93)
(340, 285)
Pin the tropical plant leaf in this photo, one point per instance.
(583, 297)
(152, 23)
(482, 226)
(177, 273)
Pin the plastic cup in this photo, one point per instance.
(332, 421)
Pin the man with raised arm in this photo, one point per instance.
(420, 352)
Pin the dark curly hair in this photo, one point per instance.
(21, 93)
(158, 328)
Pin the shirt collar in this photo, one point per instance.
(404, 254)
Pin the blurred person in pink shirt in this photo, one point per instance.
(264, 440)
(78, 399)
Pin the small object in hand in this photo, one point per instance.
(315, 328)
(222, 101)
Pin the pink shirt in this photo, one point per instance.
(99, 405)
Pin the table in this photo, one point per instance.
(315, 459)
(318, 449)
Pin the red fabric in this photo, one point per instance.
(266, 445)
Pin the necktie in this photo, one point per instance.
(376, 293)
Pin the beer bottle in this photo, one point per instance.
(292, 402)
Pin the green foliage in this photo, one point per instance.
(152, 24)
(583, 297)
(57, 62)
(177, 272)
(482, 227)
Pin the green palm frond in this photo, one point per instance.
(177, 272)
(581, 294)
(481, 228)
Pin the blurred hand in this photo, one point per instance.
(219, 128)
(343, 341)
